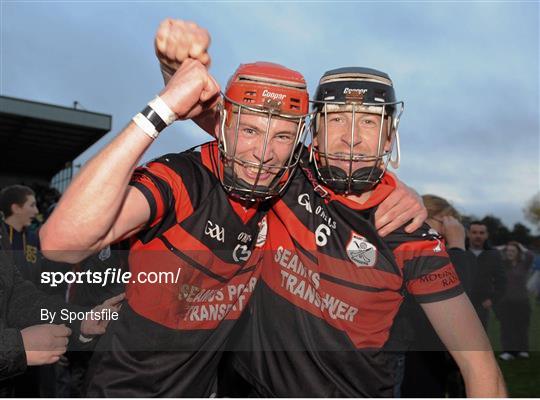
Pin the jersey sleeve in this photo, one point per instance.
(428, 273)
(164, 190)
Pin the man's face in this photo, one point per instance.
(478, 235)
(250, 146)
(364, 143)
(27, 211)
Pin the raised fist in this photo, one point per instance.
(44, 344)
(191, 90)
(178, 40)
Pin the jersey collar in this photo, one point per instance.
(378, 194)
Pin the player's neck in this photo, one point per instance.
(360, 199)
(14, 223)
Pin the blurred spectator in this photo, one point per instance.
(18, 204)
(489, 278)
(445, 219)
(21, 331)
(429, 369)
(514, 309)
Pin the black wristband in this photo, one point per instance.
(154, 118)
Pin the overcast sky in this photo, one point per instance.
(467, 71)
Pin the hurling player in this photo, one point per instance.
(327, 304)
(198, 215)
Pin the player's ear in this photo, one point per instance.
(15, 209)
(387, 144)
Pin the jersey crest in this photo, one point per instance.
(361, 252)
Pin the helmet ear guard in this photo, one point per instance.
(270, 91)
(355, 90)
(395, 162)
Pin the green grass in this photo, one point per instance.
(522, 375)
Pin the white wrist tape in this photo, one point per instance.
(162, 109)
(145, 125)
(84, 339)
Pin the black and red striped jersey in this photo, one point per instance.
(169, 336)
(320, 319)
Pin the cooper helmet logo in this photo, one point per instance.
(303, 200)
(214, 231)
(361, 252)
(272, 95)
(357, 92)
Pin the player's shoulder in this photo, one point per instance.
(423, 234)
(184, 164)
(173, 160)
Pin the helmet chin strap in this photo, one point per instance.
(242, 188)
(362, 179)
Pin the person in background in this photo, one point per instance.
(429, 369)
(489, 278)
(18, 204)
(25, 340)
(514, 309)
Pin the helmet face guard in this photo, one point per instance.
(355, 91)
(268, 91)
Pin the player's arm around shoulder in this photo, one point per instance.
(403, 208)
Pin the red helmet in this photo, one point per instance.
(269, 86)
(272, 91)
